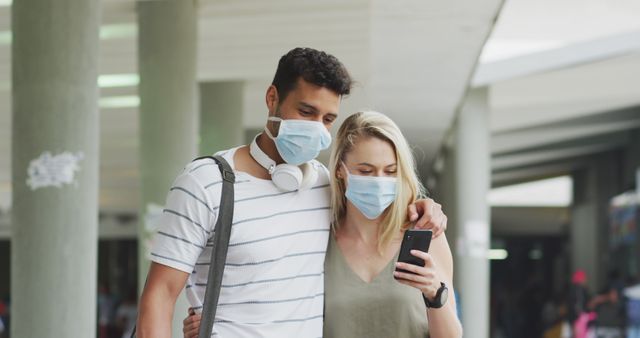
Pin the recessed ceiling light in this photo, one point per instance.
(107, 32)
(497, 254)
(113, 102)
(118, 80)
(118, 31)
(5, 38)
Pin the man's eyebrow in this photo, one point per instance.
(314, 110)
(308, 106)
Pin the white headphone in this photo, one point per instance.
(287, 177)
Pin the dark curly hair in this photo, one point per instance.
(313, 66)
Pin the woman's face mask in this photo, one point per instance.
(372, 195)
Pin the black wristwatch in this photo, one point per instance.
(440, 299)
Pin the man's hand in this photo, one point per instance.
(191, 325)
(427, 214)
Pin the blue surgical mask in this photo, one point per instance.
(372, 195)
(300, 141)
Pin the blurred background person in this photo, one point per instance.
(632, 298)
(4, 318)
(126, 314)
(579, 304)
(610, 317)
(106, 310)
(2, 327)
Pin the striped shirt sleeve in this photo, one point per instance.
(186, 224)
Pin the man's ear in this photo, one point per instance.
(272, 99)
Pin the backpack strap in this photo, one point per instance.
(221, 236)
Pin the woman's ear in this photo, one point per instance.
(340, 174)
(272, 100)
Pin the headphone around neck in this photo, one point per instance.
(285, 176)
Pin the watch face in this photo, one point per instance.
(444, 296)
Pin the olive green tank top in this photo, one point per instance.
(381, 308)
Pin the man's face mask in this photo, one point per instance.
(300, 141)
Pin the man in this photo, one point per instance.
(273, 279)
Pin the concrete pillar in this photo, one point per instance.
(584, 228)
(473, 180)
(54, 168)
(594, 186)
(631, 165)
(221, 110)
(447, 189)
(443, 190)
(168, 116)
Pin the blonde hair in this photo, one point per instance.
(374, 124)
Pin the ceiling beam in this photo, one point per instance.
(606, 123)
(537, 172)
(554, 59)
(577, 149)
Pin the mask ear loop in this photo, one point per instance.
(266, 129)
(344, 166)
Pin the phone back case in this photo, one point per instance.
(414, 240)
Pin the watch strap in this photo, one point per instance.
(437, 302)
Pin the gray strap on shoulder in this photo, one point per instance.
(221, 236)
(219, 251)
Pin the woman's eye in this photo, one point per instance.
(365, 172)
(305, 113)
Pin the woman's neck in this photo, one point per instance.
(356, 226)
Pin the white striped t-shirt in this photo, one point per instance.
(273, 284)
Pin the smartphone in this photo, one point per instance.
(414, 240)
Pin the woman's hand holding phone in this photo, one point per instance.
(424, 278)
(415, 267)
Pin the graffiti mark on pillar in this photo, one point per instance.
(53, 170)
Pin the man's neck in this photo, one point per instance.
(268, 146)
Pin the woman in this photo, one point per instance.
(374, 181)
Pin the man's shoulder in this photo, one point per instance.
(204, 170)
(319, 166)
(323, 172)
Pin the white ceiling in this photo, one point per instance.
(564, 77)
(527, 26)
(411, 59)
(564, 83)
